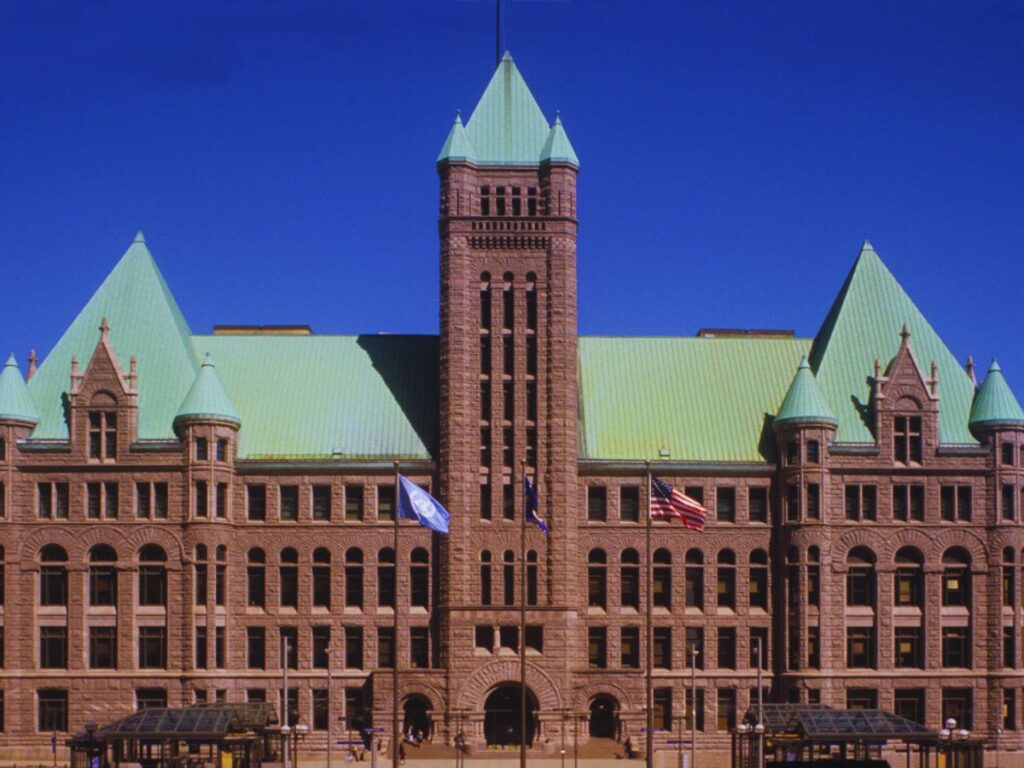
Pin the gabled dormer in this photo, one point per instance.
(103, 403)
(905, 407)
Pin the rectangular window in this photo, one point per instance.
(813, 501)
(695, 492)
(909, 648)
(1009, 657)
(726, 709)
(861, 502)
(219, 647)
(354, 503)
(1009, 506)
(907, 441)
(202, 449)
(419, 647)
(909, 703)
(695, 647)
(694, 708)
(321, 642)
(53, 585)
(535, 638)
(860, 647)
(200, 583)
(597, 504)
(202, 498)
(354, 647)
(385, 647)
(321, 709)
(222, 450)
(52, 500)
(53, 709)
(629, 647)
(485, 201)
(289, 500)
(386, 502)
(757, 504)
(483, 638)
(222, 501)
(289, 575)
(955, 503)
(629, 504)
(321, 502)
(152, 647)
(102, 585)
(53, 647)
(861, 698)
(256, 647)
(662, 641)
(94, 500)
(725, 504)
(201, 650)
(289, 637)
(102, 435)
(727, 648)
(957, 703)
(793, 453)
(663, 708)
(1007, 454)
(256, 496)
(3, 514)
(956, 647)
(508, 500)
(813, 452)
(1009, 709)
(792, 502)
(597, 647)
(814, 647)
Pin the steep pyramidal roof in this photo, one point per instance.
(804, 402)
(15, 401)
(864, 324)
(207, 398)
(557, 148)
(456, 146)
(145, 321)
(507, 127)
(995, 403)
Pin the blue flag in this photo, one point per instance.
(416, 504)
(532, 503)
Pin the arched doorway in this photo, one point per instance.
(502, 716)
(604, 717)
(416, 721)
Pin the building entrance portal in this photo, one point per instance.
(604, 717)
(501, 716)
(416, 723)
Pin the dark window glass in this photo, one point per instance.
(289, 501)
(222, 501)
(630, 647)
(419, 648)
(483, 638)
(909, 651)
(321, 642)
(53, 647)
(662, 641)
(757, 504)
(813, 501)
(909, 703)
(289, 637)
(53, 709)
(202, 498)
(663, 708)
(353, 503)
(860, 647)
(725, 499)
(219, 647)
(102, 585)
(354, 578)
(386, 502)
(354, 647)
(386, 577)
(385, 647)
(629, 504)
(102, 647)
(597, 647)
(256, 647)
(813, 452)
(321, 502)
(727, 648)
(202, 449)
(726, 709)
(257, 500)
(153, 647)
(956, 647)
(200, 648)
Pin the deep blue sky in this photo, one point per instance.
(280, 157)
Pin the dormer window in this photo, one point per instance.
(102, 435)
(907, 442)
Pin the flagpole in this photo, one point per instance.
(522, 627)
(395, 739)
(649, 633)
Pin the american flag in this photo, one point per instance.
(668, 503)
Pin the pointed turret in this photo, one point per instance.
(207, 400)
(804, 403)
(995, 404)
(16, 402)
(558, 148)
(507, 127)
(457, 147)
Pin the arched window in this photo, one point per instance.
(321, 578)
(257, 578)
(956, 578)
(152, 576)
(419, 578)
(695, 579)
(661, 583)
(597, 579)
(726, 579)
(860, 577)
(53, 576)
(200, 574)
(354, 578)
(102, 576)
(531, 577)
(1008, 577)
(629, 579)
(386, 577)
(509, 576)
(909, 586)
(221, 580)
(759, 579)
(289, 576)
(485, 578)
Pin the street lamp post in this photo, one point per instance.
(742, 729)
(759, 728)
(948, 735)
(330, 714)
(301, 729)
(286, 733)
(693, 706)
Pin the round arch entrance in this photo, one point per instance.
(502, 716)
(604, 717)
(417, 722)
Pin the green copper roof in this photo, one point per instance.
(356, 397)
(994, 403)
(145, 322)
(208, 398)
(507, 127)
(864, 324)
(701, 399)
(804, 402)
(15, 401)
(456, 146)
(557, 148)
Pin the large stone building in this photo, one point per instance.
(174, 505)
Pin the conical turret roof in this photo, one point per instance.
(16, 402)
(804, 403)
(207, 399)
(995, 404)
(558, 148)
(457, 146)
